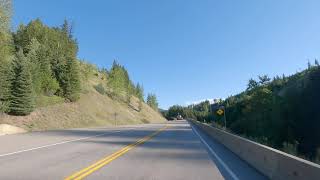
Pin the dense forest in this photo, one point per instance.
(41, 61)
(282, 112)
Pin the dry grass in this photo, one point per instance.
(92, 110)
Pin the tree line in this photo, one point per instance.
(281, 112)
(201, 111)
(38, 60)
(121, 85)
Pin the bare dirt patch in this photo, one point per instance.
(9, 129)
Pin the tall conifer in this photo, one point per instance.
(21, 90)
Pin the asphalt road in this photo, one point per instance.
(174, 151)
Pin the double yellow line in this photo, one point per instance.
(96, 166)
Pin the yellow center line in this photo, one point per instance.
(99, 164)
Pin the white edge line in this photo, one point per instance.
(59, 143)
(232, 174)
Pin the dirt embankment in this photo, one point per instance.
(92, 110)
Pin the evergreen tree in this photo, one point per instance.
(22, 97)
(67, 28)
(130, 91)
(119, 82)
(53, 56)
(115, 79)
(309, 65)
(152, 101)
(72, 81)
(49, 83)
(34, 64)
(263, 80)
(252, 84)
(139, 92)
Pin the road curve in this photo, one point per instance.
(154, 151)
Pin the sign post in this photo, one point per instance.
(221, 111)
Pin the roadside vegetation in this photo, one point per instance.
(152, 101)
(282, 112)
(39, 66)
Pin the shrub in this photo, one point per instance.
(74, 97)
(50, 86)
(100, 89)
(3, 107)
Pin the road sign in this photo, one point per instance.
(220, 112)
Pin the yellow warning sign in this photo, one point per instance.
(220, 112)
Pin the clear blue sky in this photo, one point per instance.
(185, 50)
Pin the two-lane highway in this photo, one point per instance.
(153, 151)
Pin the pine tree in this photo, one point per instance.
(34, 64)
(139, 92)
(152, 101)
(130, 91)
(72, 81)
(252, 84)
(264, 79)
(22, 97)
(119, 82)
(113, 80)
(57, 47)
(49, 83)
(40, 68)
(67, 28)
(309, 65)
